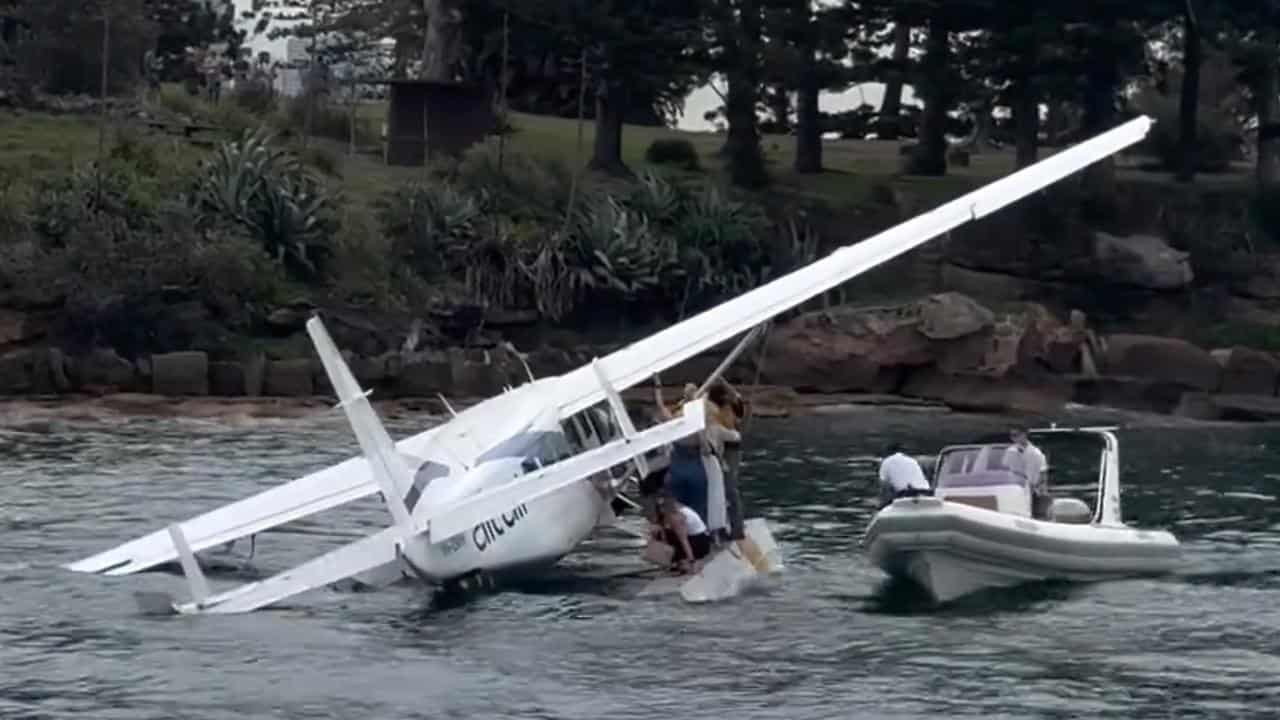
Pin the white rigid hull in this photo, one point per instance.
(952, 549)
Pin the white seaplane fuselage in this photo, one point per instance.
(977, 531)
(526, 537)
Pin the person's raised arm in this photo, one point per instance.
(663, 411)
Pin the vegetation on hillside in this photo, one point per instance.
(599, 213)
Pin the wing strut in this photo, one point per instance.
(620, 411)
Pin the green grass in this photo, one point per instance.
(37, 143)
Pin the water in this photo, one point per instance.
(831, 641)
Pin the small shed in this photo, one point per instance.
(426, 118)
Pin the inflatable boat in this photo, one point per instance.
(976, 531)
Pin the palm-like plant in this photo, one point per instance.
(272, 194)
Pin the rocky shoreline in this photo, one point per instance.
(942, 352)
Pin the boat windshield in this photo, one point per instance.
(975, 466)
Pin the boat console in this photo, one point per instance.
(977, 475)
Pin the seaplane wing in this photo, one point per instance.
(670, 347)
(342, 483)
(351, 559)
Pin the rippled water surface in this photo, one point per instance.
(829, 641)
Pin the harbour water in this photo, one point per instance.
(830, 640)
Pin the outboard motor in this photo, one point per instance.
(1070, 510)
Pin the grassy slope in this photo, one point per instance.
(37, 142)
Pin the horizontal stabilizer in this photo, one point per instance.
(466, 514)
(344, 562)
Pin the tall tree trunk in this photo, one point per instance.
(443, 42)
(1268, 168)
(808, 122)
(930, 156)
(606, 151)
(1188, 105)
(746, 160)
(1102, 79)
(1026, 119)
(891, 106)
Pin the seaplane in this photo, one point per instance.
(517, 482)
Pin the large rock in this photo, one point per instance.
(1246, 371)
(33, 371)
(16, 327)
(851, 349)
(1162, 359)
(1248, 408)
(988, 285)
(421, 374)
(1139, 394)
(255, 374)
(288, 378)
(104, 369)
(1144, 261)
(227, 379)
(180, 374)
(369, 371)
(980, 393)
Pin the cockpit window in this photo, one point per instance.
(547, 449)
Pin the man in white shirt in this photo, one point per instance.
(901, 476)
(1027, 461)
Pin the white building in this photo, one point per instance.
(297, 57)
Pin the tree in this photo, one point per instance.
(65, 51)
(806, 49)
(1253, 37)
(738, 30)
(648, 51)
(186, 24)
(893, 74)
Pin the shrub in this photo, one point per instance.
(673, 151)
(271, 194)
(256, 96)
(328, 121)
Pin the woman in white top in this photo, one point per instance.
(685, 531)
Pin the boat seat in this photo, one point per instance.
(1069, 510)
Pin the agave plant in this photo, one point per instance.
(720, 241)
(434, 225)
(272, 194)
(656, 198)
(621, 251)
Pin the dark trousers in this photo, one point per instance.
(700, 544)
(733, 499)
(888, 499)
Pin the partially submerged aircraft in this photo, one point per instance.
(516, 482)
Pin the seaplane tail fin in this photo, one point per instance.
(707, 330)
(447, 521)
(389, 470)
(351, 559)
